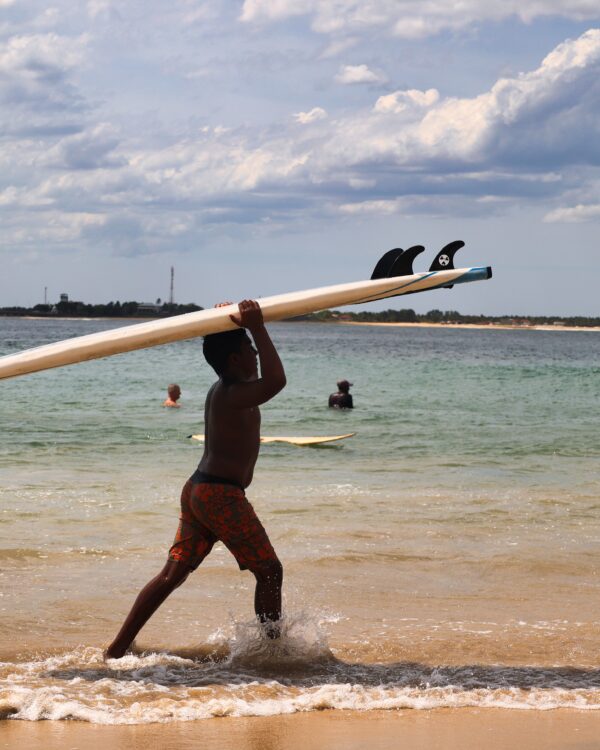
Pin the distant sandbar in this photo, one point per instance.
(477, 326)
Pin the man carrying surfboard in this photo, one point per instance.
(213, 502)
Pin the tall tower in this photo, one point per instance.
(172, 281)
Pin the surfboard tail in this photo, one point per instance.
(403, 265)
(444, 260)
(384, 264)
(427, 281)
(398, 262)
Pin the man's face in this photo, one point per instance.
(174, 393)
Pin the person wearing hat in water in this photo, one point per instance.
(342, 399)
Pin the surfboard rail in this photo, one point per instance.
(190, 325)
(300, 440)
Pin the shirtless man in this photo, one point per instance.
(173, 396)
(213, 503)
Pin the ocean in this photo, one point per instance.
(447, 555)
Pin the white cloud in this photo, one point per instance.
(305, 118)
(103, 9)
(23, 197)
(350, 74)
(40, 55)
(575, 214)
(381, 207)
(337, 46)
(400, 101)
(410, 19)
(200, 13)
(91, 149)
(34, 72)
(49, 18)
(358, 183)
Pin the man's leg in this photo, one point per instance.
(267, 596)
(148, 601)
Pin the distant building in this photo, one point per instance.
(64, 297)
(148, 307)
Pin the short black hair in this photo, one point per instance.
(218, 346)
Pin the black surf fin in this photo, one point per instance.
(402, 266)
(444, 260)
(385, 263)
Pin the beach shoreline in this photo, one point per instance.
(438, 729)
(474, 326)
(383, 324)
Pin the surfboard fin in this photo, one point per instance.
(384, 263)
(444, 260)
(402, 266)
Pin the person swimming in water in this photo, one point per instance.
(342, 399)
(173, 396)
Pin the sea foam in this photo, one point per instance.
(241, 672)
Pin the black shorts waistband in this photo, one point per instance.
(201, 477)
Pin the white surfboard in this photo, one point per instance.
(304, 440)
(190, 325)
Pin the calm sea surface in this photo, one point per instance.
(446, 555)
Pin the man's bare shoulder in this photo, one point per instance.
(221, 392)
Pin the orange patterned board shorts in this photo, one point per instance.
(219, 512)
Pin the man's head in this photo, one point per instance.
(343, 386)
(174, 391)
(230, 352)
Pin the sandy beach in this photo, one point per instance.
(442, 729)
(473, 326)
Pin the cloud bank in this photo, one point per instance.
(409, 19)
(72, 174)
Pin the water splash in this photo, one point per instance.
(302, 643)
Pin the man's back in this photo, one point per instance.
(341, 401)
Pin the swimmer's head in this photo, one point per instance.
(174, 391)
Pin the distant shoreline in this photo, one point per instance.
(473, 326)
(476, 326)
(83, 317)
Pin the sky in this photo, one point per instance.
(267, 146)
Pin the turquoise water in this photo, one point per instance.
(459, 527)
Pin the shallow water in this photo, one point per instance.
(446, 555)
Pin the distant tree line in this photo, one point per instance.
(450, 316)
(118, 309)
(72, 309)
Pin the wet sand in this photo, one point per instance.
(443, 729)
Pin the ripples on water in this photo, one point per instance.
(460, 527)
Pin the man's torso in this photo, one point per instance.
(232, 437)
